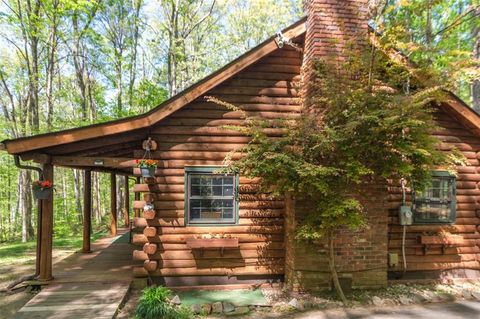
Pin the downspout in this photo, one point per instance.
(39, 209)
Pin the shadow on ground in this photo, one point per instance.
(454, 310)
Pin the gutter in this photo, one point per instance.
(29, 167)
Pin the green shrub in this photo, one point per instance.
(154, 304)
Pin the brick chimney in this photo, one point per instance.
(332, 25)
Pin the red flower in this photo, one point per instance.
(46, 184)
(146, 163)
(42, 184)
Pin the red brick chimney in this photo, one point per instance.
(332, 24)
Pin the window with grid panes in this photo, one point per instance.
(210, 197)
(437, 203)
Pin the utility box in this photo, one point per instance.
(405, 215)
(392, 259)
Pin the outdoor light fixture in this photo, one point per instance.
(98, 162)
(282, 40)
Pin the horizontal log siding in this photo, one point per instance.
(465, 254)
(196, 135)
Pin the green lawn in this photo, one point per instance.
(20, 253)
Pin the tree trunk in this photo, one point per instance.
(476, 83)
(97, 198)
(119, 78)
(64, 197)
(333, 270)
(25, 204)
(33, 16)
(21, 204)
(77, 177)
(173, 38)
(428, 25)
(91, 100)
(51, 58)
(133, 62)
(78, 62)
(120, 195)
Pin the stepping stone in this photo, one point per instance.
(217, 307)
(228, 307)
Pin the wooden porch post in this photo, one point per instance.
(39, 238)
(137, 197)
(45, 271)
(113, 204)
(87, 211)
(127, 204)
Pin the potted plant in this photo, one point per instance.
(147, 167)
(42, 189)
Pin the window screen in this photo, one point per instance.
(211, 197)
(437, 203)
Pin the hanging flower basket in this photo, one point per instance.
(42, 189)
(147, 167)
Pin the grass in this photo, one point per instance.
(20, 253)
(237, 297)
(154, 303)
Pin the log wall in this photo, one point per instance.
(464, 254)
(195, 135)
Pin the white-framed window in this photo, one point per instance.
(210, 197)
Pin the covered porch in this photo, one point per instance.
(86, 285)
(113, 155)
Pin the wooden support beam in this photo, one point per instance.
(45, 271)
(126, 212)
(113, 204)
(80, 161)
(137, 198)
(118, 162)
(39, 238)
(87, 211)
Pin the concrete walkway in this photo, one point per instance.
(86, 285)
(451, 310)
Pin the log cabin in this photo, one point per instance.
(206, 228)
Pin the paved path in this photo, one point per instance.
(86, 285)
(451, 310)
